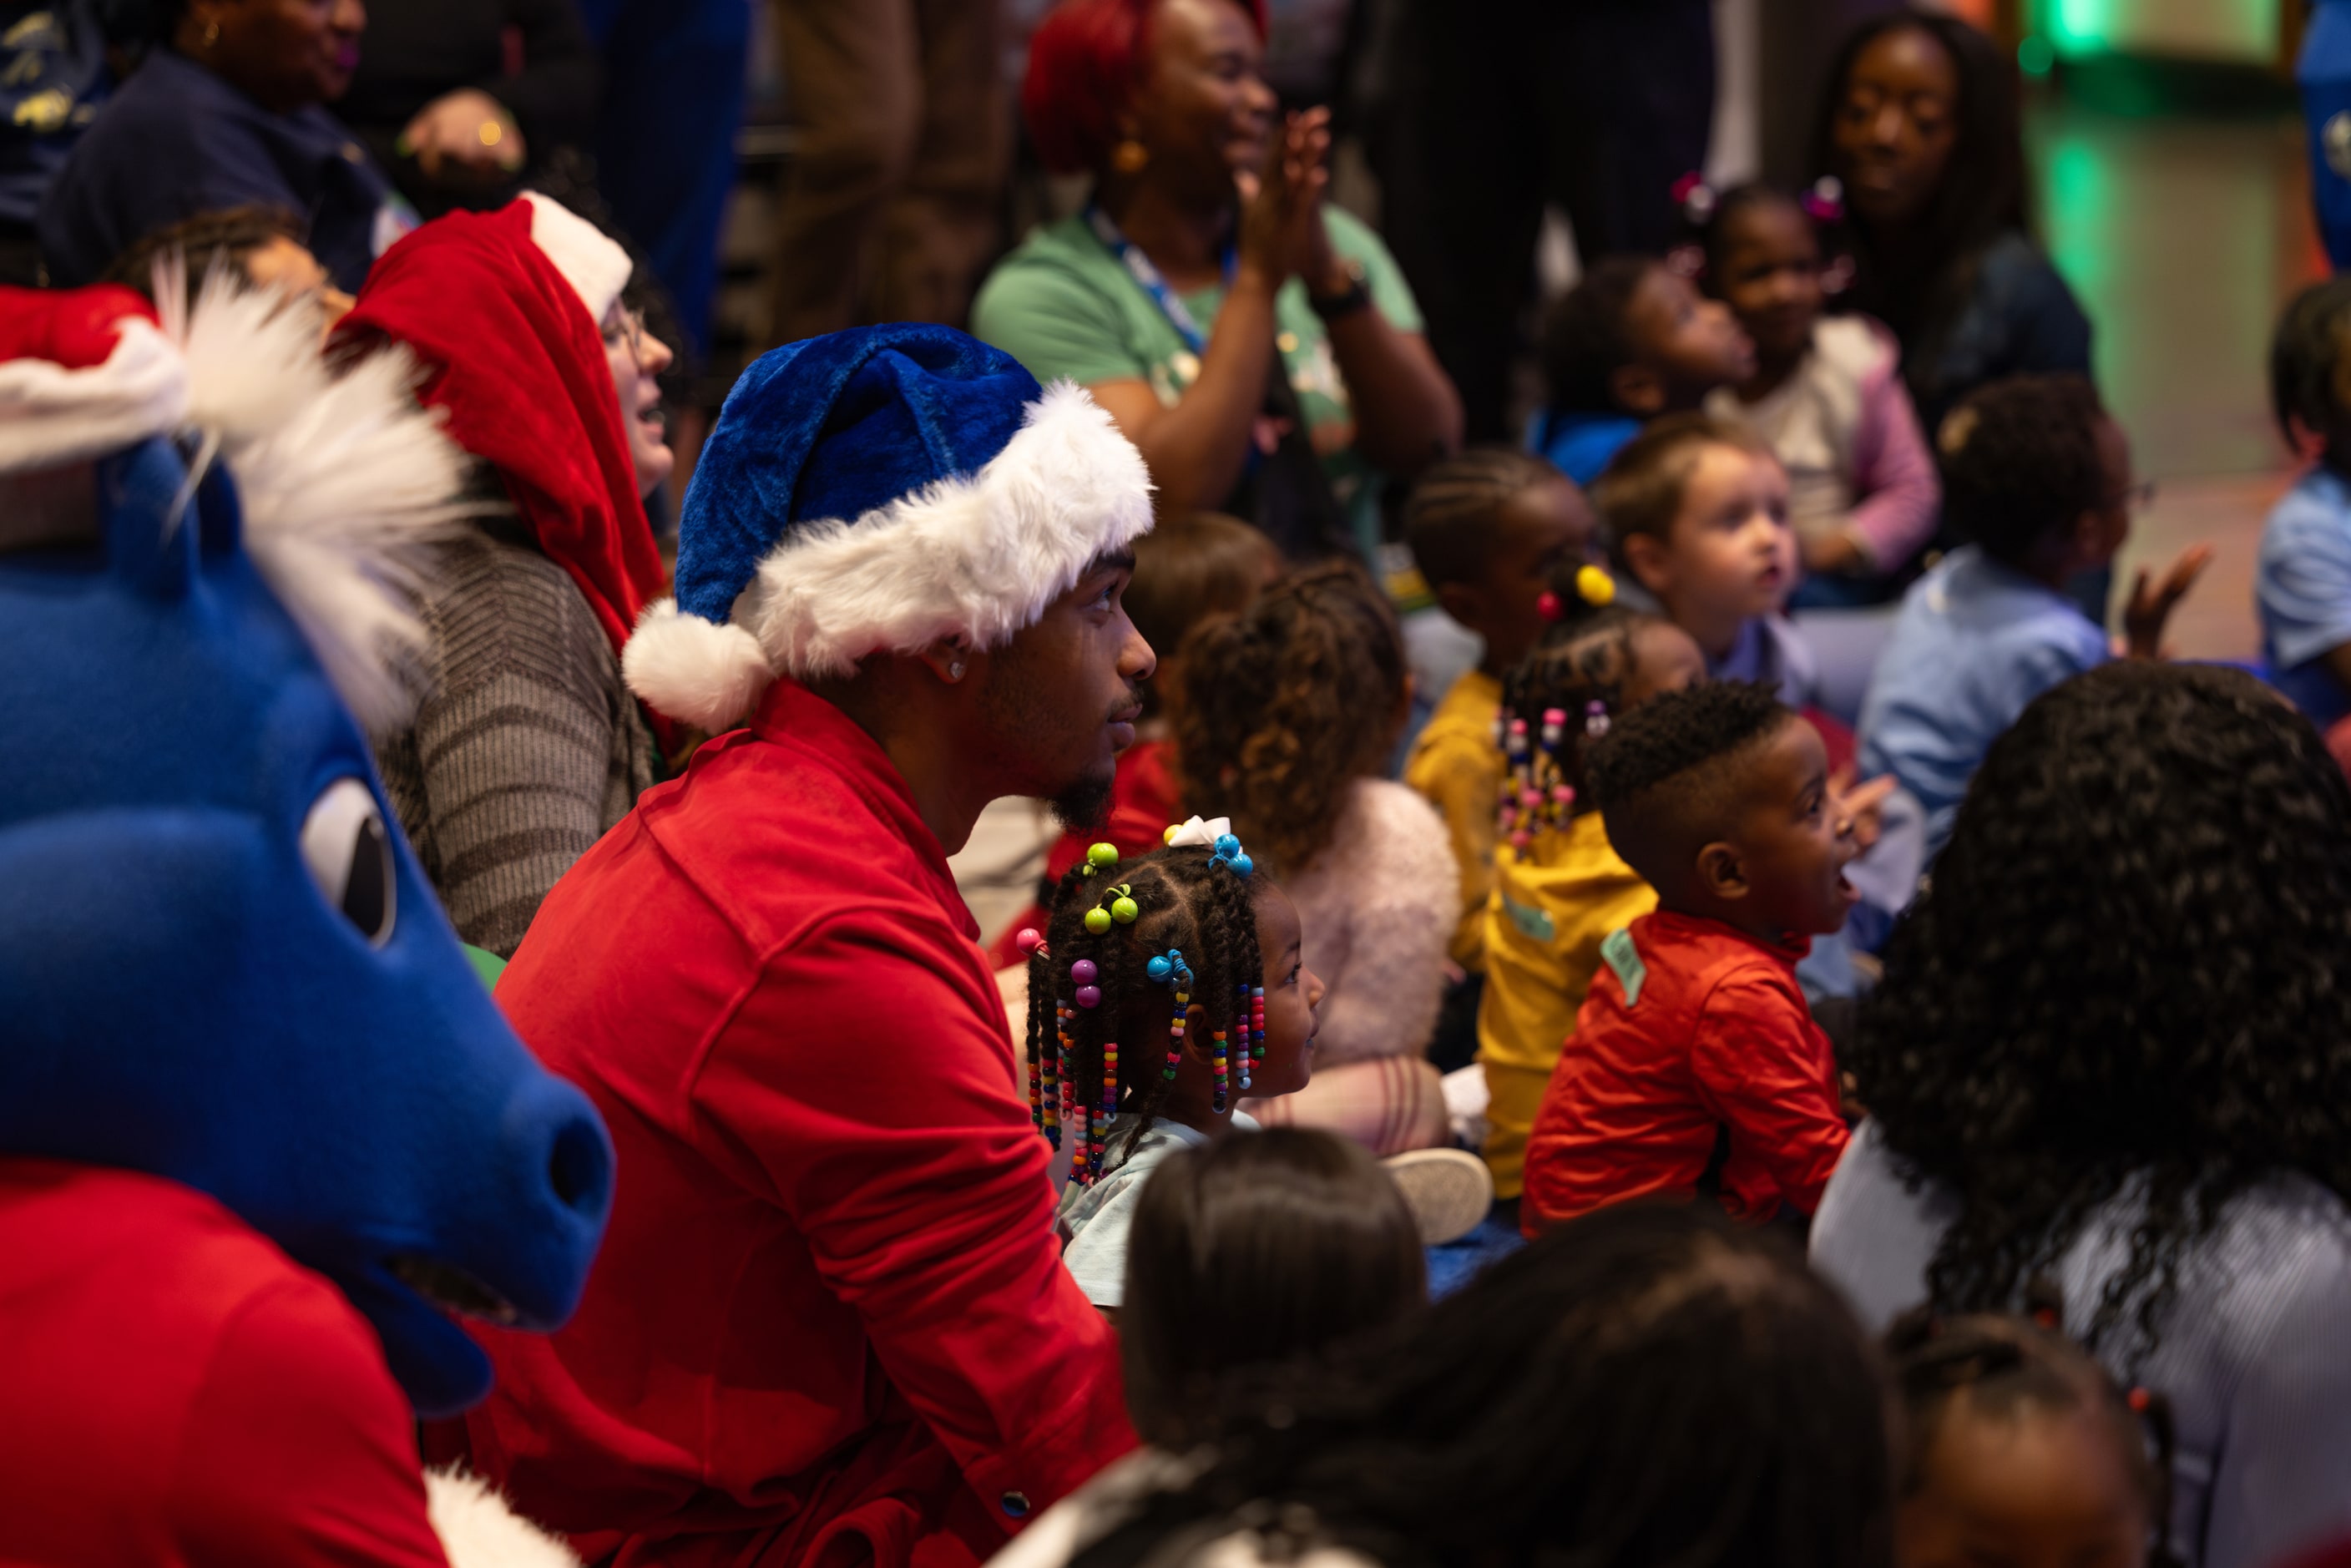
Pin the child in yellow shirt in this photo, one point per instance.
(1559, 889)
(1490, 528)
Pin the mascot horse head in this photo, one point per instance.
(218, 961)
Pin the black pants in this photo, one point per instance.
(1485, 110)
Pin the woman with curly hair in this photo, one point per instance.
(2111, 1051)
(1292, 711)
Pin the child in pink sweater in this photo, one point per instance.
(1828, 397)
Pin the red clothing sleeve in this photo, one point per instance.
(1762, 1066)
(299, 1449)
(895, 1144)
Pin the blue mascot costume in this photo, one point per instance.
(262, 1131)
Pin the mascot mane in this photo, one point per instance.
(345, 481)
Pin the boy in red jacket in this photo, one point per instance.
(1696, 1065)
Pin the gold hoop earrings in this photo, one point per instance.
(1129, 156)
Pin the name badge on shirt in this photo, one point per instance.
(1536, 923)
(1621, 956)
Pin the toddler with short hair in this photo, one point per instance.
(2303, 584)
(1696, 1067)
(1634, 339)
(2037, 477)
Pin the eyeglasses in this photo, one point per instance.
(628, 326)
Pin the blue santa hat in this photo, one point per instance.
(878, 490)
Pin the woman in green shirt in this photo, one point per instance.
(1206, 257)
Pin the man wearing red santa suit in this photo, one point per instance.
(831, 1323)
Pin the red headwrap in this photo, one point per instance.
(509, 350)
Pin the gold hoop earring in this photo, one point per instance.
(1129, 156)
(212, 34)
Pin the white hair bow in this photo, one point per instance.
(1196, 831)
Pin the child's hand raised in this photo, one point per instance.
(2151, 604)
(1863, 805)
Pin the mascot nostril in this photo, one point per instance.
(261, 1129)
(580, 1169)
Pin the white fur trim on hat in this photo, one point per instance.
(51, 417)
(596, 267)
(478, 1530)
(975, 559)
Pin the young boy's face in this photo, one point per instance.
(2024, 1488)
(1542, 528)
(1782, 870)
(1730, 554)
(1684, 346)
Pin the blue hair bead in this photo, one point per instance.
(1227, 846)
(1159, 969)
(1242, 865)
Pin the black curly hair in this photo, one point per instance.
(1287, 704)
(1645, 1384)
(2129, 967)
(2310, 374)
(1587, 338)
(1183, 901)
(1999, 1364)
(1667, 774)
(2020, 462)
(1452, 518)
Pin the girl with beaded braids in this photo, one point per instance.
(1162, 990)
(2113, 1048)
(1559, 886)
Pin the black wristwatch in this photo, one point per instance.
(1347, 301)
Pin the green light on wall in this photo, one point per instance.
(2034, 56)
(2081, 26)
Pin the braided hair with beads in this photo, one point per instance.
(1558, 699)
(1125, 942)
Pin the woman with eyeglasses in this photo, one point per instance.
(526, 745)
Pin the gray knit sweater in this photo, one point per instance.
(527, 748)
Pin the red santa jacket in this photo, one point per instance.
(829, 1318)
(1693, 1034)
(175, 1391)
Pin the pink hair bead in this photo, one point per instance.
(1029, 941)
(1084, 973)
(1089, 996)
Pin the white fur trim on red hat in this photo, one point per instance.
(596, 267)
(51, 417)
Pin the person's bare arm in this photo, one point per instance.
(1406, 412)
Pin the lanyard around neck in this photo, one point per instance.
(1147, 277)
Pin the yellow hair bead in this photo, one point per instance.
(1594, 587)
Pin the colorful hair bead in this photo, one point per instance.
(1596, 718)
(1097, 921)
(1123, 910)
(1083, 972)
(1256, 1025)
(1089, 996)
(1548, 605)
(1554, 725)
(1030, 941)
(1217, 1051)
(1594, 587)
(1100, 857)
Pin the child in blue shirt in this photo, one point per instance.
(2038, 477)
(1634, 339)
(2303, 584)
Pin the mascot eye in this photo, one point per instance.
(349, 856)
